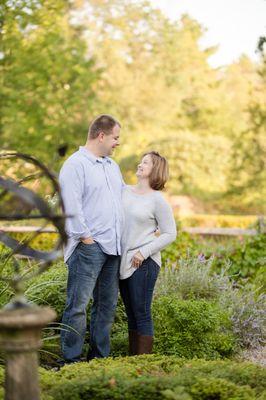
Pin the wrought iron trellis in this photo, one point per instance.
(43, 211)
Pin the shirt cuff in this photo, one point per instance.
(79, 235)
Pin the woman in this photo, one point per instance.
(145, 211)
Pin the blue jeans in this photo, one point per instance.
(136, 292)
(91, 273)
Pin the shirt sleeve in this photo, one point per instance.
(71, 181)
(167, 226)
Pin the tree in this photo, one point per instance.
(47, 78)
(248, 175)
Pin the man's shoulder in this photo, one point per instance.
(76, 159)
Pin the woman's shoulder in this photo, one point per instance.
(160, 199)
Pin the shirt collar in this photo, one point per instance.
(88, 154)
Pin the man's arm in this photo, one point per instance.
(71, 180)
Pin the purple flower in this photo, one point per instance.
(201, 257)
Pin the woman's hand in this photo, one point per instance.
(137, 260)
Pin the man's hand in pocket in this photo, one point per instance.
(88, 240)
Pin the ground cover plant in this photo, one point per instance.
(155, 377)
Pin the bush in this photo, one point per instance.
(183, 245)
(155, 377)
(190, 328)
(49, 288)
(192, 278)
(245, 258)
(247, 313)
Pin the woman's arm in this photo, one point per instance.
(167, 226)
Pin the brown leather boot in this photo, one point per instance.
(132, 340)
(145, 344)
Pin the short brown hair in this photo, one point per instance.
(160, 171)
(103, 123)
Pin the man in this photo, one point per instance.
(91, 185)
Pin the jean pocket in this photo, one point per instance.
(87, 248)
(87, 244)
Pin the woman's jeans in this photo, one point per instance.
(136, 292)
(91, 273)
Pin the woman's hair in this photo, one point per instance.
(160, 171)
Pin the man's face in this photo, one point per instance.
(110, 142)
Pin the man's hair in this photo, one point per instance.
(160, 171)
(103, 123)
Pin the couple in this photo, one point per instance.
(111, 234)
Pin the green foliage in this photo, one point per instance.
(183, 245)
(247, 314)
(47, 78)
(155, 377)
(190, 328)
(192, 278)
(206, 388)
(248, 166)
(246, 257)
(49, 288)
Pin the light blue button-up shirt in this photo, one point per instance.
(92, 190)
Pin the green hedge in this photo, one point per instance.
(191, 328)
(155, 377)
(246, 257)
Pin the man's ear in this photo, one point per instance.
(101, 136)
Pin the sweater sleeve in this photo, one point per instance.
(167, 226)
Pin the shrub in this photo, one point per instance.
(213, 388)
(49, 288)
(247, 313)
(190, 328)
(155, 377)
(183, 245)
(245, 258)
(192, 278)
(259, 280)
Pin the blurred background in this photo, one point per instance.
(185, 78)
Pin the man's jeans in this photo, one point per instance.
(136, 292)
(91, 273)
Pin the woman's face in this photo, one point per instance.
(145, 167)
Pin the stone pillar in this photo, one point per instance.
(20, 339)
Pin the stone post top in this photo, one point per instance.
(26, 317)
